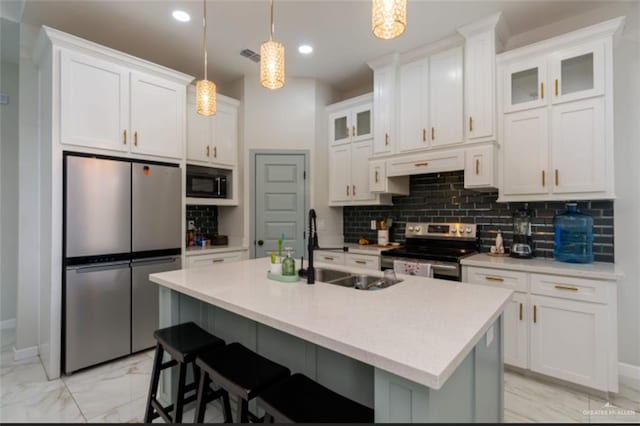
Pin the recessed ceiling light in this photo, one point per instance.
(305, 49)
(181, 15)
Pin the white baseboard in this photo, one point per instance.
(629, 374)
(8, 323)
(25, 353)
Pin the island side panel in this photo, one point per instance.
(474, 393)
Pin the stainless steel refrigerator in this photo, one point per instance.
(122, 223)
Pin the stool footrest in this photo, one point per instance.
(168, 364)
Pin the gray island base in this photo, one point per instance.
(472, 393)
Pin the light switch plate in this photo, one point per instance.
(191, 225)
(373, 225)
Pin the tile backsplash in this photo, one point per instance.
(441, 197)
(205, 218)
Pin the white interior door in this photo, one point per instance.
(445, 90)
(280, 202)
(525, 153)
(157, 123)
(578, 154)
(94, 110)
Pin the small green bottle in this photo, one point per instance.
(289, 263)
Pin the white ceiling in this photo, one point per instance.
(338, 30)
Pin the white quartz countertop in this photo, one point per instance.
(596, 270)
(420, 329)
(196, 251)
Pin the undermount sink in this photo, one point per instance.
(357, 281)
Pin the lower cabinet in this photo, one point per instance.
(367, 261)
(197, 261)
(560, 326)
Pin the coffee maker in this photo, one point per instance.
(521, 247)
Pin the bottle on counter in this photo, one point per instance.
(499, 243)
(573, 233)
(289, 263)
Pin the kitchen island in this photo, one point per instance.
(423, 350)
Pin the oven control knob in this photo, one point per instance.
(417, 229)
(453, 230)
(411, 229)
(468, 230)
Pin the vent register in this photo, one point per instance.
(250, 54)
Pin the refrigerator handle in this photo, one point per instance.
(99, 267)
(144, 262)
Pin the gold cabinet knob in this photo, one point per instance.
(124, 137)
(135, 138)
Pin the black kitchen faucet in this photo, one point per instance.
(313, 245)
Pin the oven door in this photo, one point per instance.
(450, 271)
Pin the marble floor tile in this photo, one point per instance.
(7, 339)
(623, 407)
(131, 412)
(531, 400)
(102, 389)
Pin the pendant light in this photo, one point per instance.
(205, 89)
(272, 61)
(388, 18)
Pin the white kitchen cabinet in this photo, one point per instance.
(352, 124)
(427, 162)
(479, 85)
(516, 325)
(525, 152)
(333, 257)
(360, 152)
(413, 104)
(198, 261)
(213, 140)
(524, 85)
(362, 261)
(94, 96)
(566, 340)
(445, 97)
(561, 326)
(379, 182)
(384, 107)
(480, 167)
(578, 154)
(578, 72)
(340, 173)
(157, 116)
(556, 117)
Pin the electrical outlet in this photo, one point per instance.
(191, 225)
(373, 225)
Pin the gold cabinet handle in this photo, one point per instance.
(535, 313)
(328, 258)
(544, 178)
(347, 190)
(135, 138)
(490, 278)
(521, 312)
(424, 135)
(353, 131)
(354, 190)
(470, 124)
(348, 131)
(376, 177)
(421, 164)
(217, 260)
(215, 152)
(556, 87)
(477, 166)
(566, 287)
(208, 151)
(433, 133)
(361, 262)
(124, 137)
(557, 178)
(386, 138)
(542, 90)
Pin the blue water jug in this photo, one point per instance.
(573, 236)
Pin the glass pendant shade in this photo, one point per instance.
(272, 65)
(388, 18)
(206, 97)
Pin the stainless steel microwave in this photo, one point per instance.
(203, 182)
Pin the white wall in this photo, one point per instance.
(291, 118)
(627, 159)
(9, 143)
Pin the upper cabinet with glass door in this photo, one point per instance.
(578, 73)
(525, 85)
(351, 121)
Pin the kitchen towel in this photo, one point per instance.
(412, 268)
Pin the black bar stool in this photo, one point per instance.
(241, 372)
(183, 342)
(298, 399)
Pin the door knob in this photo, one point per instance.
(260, 242)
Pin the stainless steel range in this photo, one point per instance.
(442, 245)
